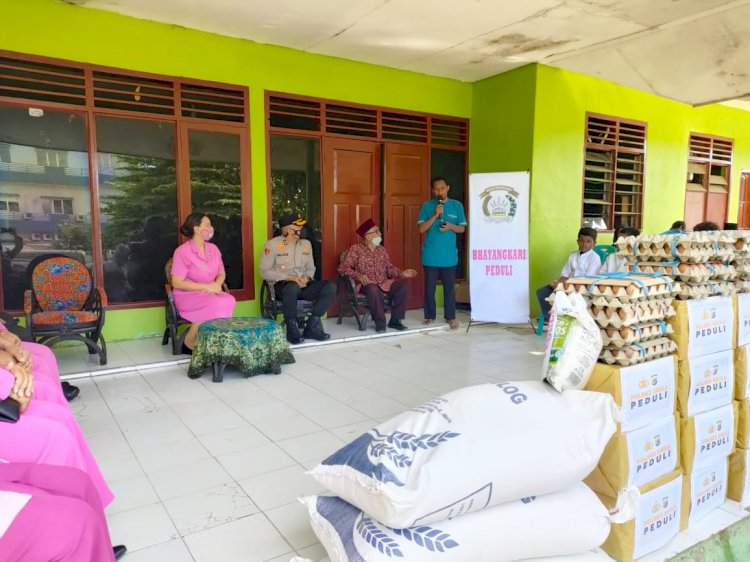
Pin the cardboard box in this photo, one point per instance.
(742, 435)
(707, 437)
(742, 308)
(703, 490)
(702, 327)
(645, 392)
(739, 477)
(741, 373)
(637, 457)
(657, 520)
(704, 383)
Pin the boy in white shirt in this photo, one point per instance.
(583, 262)
(615, 263)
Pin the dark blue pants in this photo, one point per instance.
(448, 276)
(542, 295)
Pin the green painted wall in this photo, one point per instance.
(562, 100)
(55, 29)
(502, 122)
(554, 103)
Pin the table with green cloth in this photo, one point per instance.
(253, 345)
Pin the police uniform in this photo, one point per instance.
(278, 261)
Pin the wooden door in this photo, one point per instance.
(351, 195)
(406, 187)
(743, 215)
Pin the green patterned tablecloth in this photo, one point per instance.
(253, 345)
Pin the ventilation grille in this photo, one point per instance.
(291, 113)
(711, 149)
(612, 133)
(42, 82)
(205, 102)
(354, 121)
(131, 93)
(70, 83)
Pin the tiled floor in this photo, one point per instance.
(211, 472)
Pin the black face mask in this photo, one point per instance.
(303, 233)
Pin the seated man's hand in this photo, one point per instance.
(553, 283)
(364, 280)
(408, 273)
(303, 281)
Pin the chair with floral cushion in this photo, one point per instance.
(64, 304)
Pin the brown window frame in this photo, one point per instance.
(86, 106)
(617, 141)
(708, 158)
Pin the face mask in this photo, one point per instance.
(303, 233)
(377, 240)
(207, 233)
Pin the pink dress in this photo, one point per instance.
(189, 264)
(61, 520)
(47, 433)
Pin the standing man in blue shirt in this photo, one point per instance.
(440, 219)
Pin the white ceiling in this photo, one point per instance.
(695, 51)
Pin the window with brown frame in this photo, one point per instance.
(106, 163)
(613, 173)
(707, 187)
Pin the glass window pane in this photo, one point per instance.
(295, 186)
(216, 189)
(138, 196)
(29, 227)
(451, 165)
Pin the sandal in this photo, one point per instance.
(427, 322)
(453, 324)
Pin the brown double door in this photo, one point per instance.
(386, 182)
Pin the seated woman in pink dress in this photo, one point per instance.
(52, 513)
(198, 276)
(46, 432)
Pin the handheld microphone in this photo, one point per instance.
(441, 200)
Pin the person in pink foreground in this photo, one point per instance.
(41, 356)
(198, 276)
(52, 513)
(46, 432)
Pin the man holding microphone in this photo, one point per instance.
(440, 219)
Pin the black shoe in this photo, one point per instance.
(397, 325)
(69, 391)
(292, 332)
(186, 350)
(120, 550)
(380, 330)
(314, 329)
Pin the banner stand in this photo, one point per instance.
(498, 248)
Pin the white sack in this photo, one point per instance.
(566, 522)
(574, 343)
(471, 449)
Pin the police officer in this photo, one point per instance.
(287, 261)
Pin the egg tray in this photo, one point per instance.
(632, 313)
(637, 333)
(690, 272)
(624, 289)
(742, 285)
(693, 247)
(637, 353)
(608, 302)
(704, 290)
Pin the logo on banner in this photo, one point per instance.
(499, 203)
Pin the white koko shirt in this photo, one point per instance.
(579, 264)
